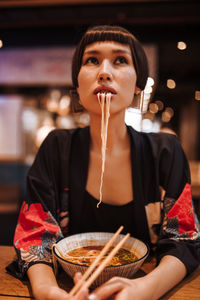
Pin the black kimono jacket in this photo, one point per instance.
(163, 212)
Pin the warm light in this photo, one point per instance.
(64, 106)
(197, 95)
(52, 105)
(149, 115)
(1, 43)
(29, 120)
(167, 130)
(145, 102)
(146, 125)
(150, 126)
(150, 81)
(147, 94)
(160, 104)
(181, 45)
(171, 84)
(48, 121)
(166, 117)
(55, 94)
(133, 118)
(66, 122)
(42, 133)
(153, 108)
(53, 100)
(148, 90)
(82, 119)
(170, 111)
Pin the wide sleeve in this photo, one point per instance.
(38, 225)
(179, 234)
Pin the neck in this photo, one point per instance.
(117, 136)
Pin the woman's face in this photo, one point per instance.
(107, 67)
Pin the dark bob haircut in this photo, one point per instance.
(116, 34)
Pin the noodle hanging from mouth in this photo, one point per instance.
(104, 102)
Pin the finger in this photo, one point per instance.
(60, 294)
(107, 290)
(77, 277)
(125, 294)
(83, 294)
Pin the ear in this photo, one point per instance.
(137, 90)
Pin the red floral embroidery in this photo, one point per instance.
(32, 224)
(183, 212)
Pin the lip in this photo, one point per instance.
(104, 88)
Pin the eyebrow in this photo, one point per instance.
(95, 52)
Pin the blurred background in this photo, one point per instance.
(37, 41)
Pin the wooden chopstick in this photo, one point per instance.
(105, 262)
(85, 284)
(96, 261)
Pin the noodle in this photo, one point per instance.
(105, 114)
(86, 255)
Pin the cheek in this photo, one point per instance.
(83, 80)
(129, 82)
(81, 83)
(80, 78)
(131, 78)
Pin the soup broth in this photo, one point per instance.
(86, 255)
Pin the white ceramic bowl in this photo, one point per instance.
(101, 238)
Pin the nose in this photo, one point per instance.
(105, 72)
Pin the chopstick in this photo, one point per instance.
(105, 262)
(86, 283)
(95, 262)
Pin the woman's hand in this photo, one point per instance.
(45, 287)
(47, 292)
(150, 287)
(123, 289)
(55, 293)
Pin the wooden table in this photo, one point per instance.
(12, 288)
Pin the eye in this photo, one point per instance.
(91, 60)
(121, 60)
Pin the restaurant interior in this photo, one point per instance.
(37, 41)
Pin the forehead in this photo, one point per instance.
(107, 45)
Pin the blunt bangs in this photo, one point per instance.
(111, 35)
(115, 34)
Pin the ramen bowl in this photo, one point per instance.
(76, 241)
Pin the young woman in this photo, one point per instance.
(63, 183)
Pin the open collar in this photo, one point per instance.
(79, 161)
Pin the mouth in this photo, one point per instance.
(104, 90)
